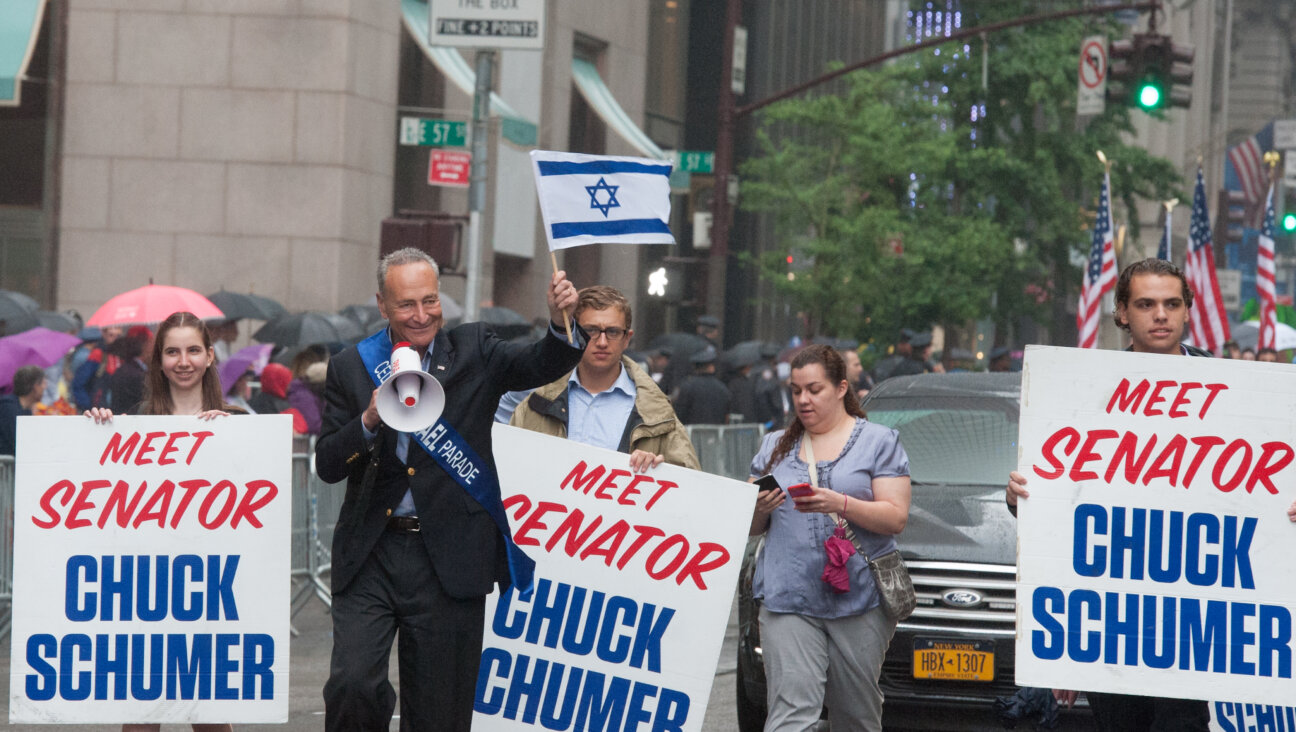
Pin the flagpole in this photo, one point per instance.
(566, 318)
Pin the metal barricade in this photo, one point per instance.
(726, 449)
(6, 542)
(316, 505)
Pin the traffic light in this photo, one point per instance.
(1148, 71)
(1230, 215)
(1287, 219)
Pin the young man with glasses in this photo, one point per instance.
(608, 400)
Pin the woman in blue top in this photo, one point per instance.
(818, 645)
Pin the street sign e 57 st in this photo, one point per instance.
(433, 132)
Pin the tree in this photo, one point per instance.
(920, 152)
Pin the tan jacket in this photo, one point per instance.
(653, 426)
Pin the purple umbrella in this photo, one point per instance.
(35, 347)
(253, 357)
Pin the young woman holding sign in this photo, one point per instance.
(181, 380)
(821, 641)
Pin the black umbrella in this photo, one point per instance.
(367, 316)
(506, 323)
(61, 322)
(312, 327)
(747, 353)
(17, 312)
(237, 305)
(682, 345)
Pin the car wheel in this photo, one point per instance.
(751, 712)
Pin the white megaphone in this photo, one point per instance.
(410, 399)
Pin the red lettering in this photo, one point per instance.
(118, 452)
(665, 486)
(1087, 454)
(1156, 398)
(517, 500)
(117, 502)
(1072, 436)
(533, 523)
(190, 490)
(204, 511)
(1181, 399)
(1204, 444)
(1263, 470)
(199, 439)
(653, 558)
(1172, 454)
(607, 544)
(68, 488)
(645, 533)
(1124, 400)
(249, 504)
(627, 495)
(1218, 474)
(580, 480)
(1125, 450)
(169, 448)
(708, 557)
(146, 448)
(610, 482)
(74, 520)
(571, 528)
(152, 511)
(1214, 390)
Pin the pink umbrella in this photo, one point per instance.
(152, 304)
(35, 347)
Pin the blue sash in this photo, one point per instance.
(453, 453)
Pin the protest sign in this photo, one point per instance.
(1152, 550)
(635, 576)
(151, 570)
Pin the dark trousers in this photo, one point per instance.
(439, 639)
(1127, 713)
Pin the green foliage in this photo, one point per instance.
(919, 151)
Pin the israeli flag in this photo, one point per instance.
(588, 199)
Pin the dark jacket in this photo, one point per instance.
(702, 399)
(475, 367)
(10, 410)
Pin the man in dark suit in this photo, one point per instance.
(413, 552)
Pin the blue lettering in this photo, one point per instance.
(649, 643)
(583, 645)
(74, 686)
(1165, 567)
(157, 610)
(617, 606)
(78, 564)
(42, 684)
(1275, 640)
(545, 614)
(1049, 642)
(146, 685)
(220, 587)
(1089, 651)
(1166, 633)
(636, 714)
(111, 668)
(1237, 552)
(112, 586)
(185, 673)
(532, 688)
(1085, 514)
(1131, 543)
(179, 609)
(672, 711)
(503, 627)
(1199, 641)
(1128, 628)
(1202, 576)
(597, 712)
(555, 692)
(225, 665)
(1240, 639)
(491, 658)
(258, 663)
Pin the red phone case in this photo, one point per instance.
(799, 490)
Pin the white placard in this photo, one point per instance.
(1152, 552)
(1091, 97)
(515, 24)
(1284, 134)
(635, 576)
(151, 570)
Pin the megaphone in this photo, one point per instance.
(410, 399)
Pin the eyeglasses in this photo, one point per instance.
(613, 334)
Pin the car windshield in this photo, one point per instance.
(961, 441)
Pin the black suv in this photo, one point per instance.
(957, 649)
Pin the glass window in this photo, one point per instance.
(954, 441)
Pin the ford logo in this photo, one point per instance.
(961, 598)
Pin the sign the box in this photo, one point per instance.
(449, 168)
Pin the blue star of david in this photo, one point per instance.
(612, 202)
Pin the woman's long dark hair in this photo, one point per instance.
(834, 367)
(157, 390)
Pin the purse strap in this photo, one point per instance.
(842, 523)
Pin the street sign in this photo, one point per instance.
(739, 81)
(449, 168)
(433, 132)
(1092, 95)
(487, 23)
(1284, 134)
(694, 161)
(1230, 287)
(1289, 167)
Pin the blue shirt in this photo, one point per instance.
(599, 419)
(789, 569)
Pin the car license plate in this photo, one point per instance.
(953, 660)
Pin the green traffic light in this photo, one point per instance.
(1149, 95)
(1289, 222)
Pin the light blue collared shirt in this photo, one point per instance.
(599, 419)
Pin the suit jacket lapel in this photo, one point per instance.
(442, 357)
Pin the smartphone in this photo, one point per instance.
(799, 490)
(767, 483)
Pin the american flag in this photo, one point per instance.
(1210, 328)
(1163, 249)
(1265, 278)
(1100, 274)
(1249, 168)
